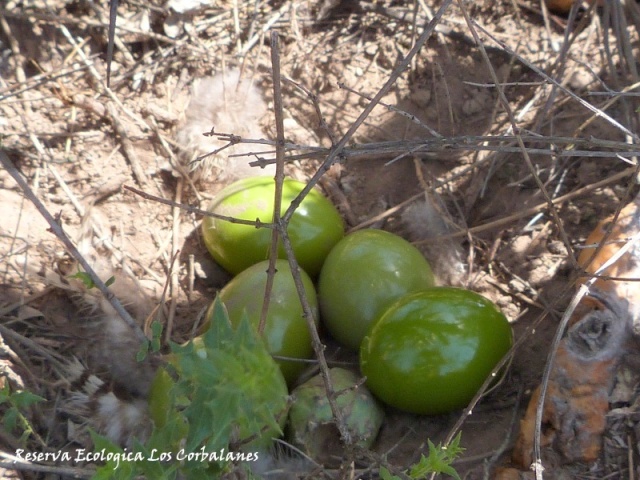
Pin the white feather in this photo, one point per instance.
(123, 421)
(229, 105)
(425, 221)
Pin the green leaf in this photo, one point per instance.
(233, 395)
(101, 442)
(142, 352)
(154, 468)
(226, 390)
(156, 336)
(10, 419)
(5, 393)
(13, 418)
(439, 460)
(220, 330)
(88, 282)
(85, 278)
(111, 469)
(386, 474)
(24, 399)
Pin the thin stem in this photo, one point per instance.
(57, 230)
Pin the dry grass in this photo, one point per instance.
(525, 130)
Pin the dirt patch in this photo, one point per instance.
(443, 128)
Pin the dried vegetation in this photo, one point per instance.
(519, 125)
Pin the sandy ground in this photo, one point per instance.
(77, 144)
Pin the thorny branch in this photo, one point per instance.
(336, 151)
(558, 146)
(281, 231)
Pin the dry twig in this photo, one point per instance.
(56, 228)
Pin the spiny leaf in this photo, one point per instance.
(24, 399)
(439, 460)
(235, 391)
(386, 474)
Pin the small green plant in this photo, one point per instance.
(220, 399)
(439, 461)
(152, 345)
(88, 282)
(13, 418)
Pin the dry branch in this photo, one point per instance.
(57, 230)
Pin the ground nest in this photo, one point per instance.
(519, 124)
